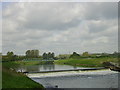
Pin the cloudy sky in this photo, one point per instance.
(60, 27)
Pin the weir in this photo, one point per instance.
(76, 79)
(88, 69)
(70, 73)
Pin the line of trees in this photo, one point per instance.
(10, 56)
(32, 53)
(48, 55)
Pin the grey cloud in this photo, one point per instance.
(60, 27)
(50, 19)
(97, 11)
(46, 25)
(101, 25)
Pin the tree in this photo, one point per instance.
(28, 53)
(44, 56)
(49, 55)
(85, 54)
(75, 55)
(32, 53)
(10, 55)
(36, 53)
(53, 55)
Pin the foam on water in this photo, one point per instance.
(70, 73)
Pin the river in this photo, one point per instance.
(72, 79)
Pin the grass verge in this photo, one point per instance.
(91, 62)
(12, 79)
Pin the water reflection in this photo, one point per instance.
(74, 67)
(47, 66)
(32, 68)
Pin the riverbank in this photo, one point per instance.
(13, 79)
(86, 62)
(82, 62)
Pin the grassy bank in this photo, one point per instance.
(84, 62)
(12, 79)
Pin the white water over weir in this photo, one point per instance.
(70, 73)
(77, 79)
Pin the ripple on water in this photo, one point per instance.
(94, 79)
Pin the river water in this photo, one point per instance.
(78, 79)
(72, 79)
(47, 67)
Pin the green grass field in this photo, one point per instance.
(12, 79)
(93, 62)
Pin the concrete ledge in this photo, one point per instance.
(67, 70)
